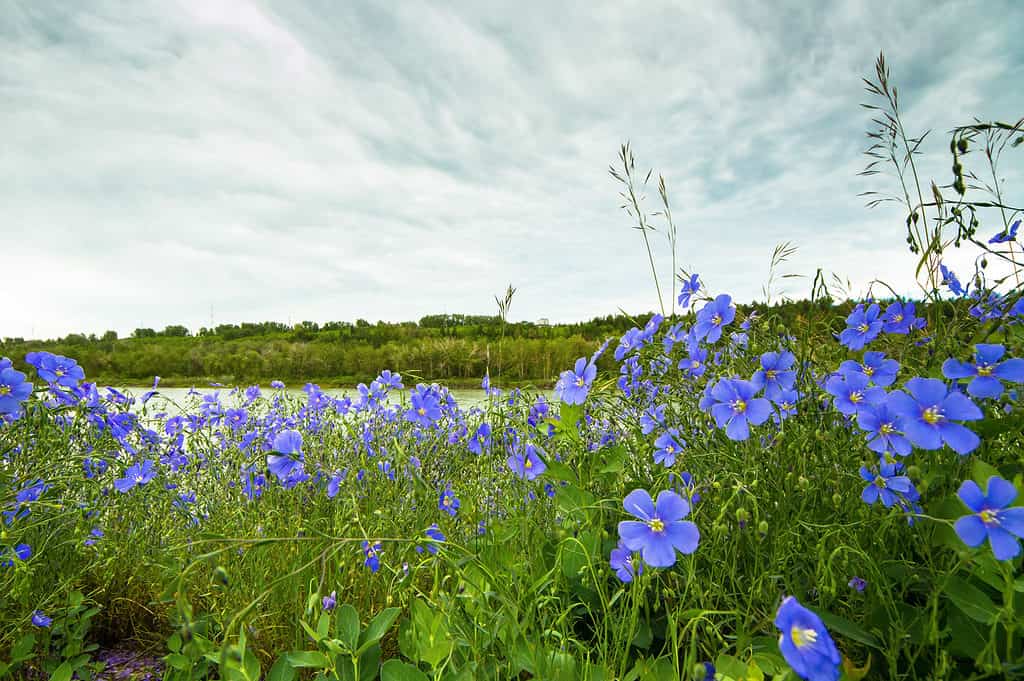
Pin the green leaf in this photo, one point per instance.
(971, 600)
(346, 623)
(730, 666)
(282, 670)
(376, 629)
(847, 628)
(556, 470)
(396, 670)
(63, 672)
(178, 661)
(22, 650)
(307, 658)
(174, 643)
(981, 472)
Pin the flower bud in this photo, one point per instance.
(962, 145)
(762, 527)
(837, 499)
(220, 575)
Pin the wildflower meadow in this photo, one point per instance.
(742, 497)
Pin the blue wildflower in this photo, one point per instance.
(481, 440)
(950, 280)
(630, 341)
(992, 517)
(806, 643)
(371, 552)
(661, 530)
(282, 463)
(527, 465)
(887, 485)
(713, 316)
(853, 392)
(448, 502)
(928, 412)
(667, 446)
(137, 474)
(621, 560)
(862, 327)
(987, 370)
(775, 374)
(40, 619)
(328, 603)
(734, 407)
(572, 386)
(14, 389)
(882, 426)
(881, 371)
(689, 288)
(1005, 235)
(901, 318)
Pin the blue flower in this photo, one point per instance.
(621, 560)
(435, 536)
(328, 603)
(661, 530)
(527, 465)
(694, 365)
(858, 584)
(572, 386)
(713, 316)
(371, 551)
(652, 418)
(14, 389)
(21, 551)
(775, 374)
(448, 502)
(786, 404)
(734, 406)
(40, 619)
(887, 485)
(883, 428)
(282, 464)
(481, 440)
(667, 446)
(862, 327)
(950, 281)
(881, 371)
(901, 318)
(425, 408)
(852, 392)
(689, 288)
(56, 369)
(138, 474)
(928, 412)
(806, 643)
(991, 517)
(630, 341)
(1006, 234)
(987, 370)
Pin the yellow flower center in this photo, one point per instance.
(447, 501)
(695, 364)
(989, 516)
(932, 415)
(5, 390)
(579, 381)
(527, 464)
(739, 406)
(656, 525)
(985, 370)
(669, 449)
(771, 374)
(856, 397)
(786, 405)
(716, 319)
(863, 328)
(868, 371)
(421, 411)
(897, 318)
(802, 637)
(879, 481)
(887, 429)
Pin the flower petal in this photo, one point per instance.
(960, 439)
(639, 503)
(634, 534)
(971, 495)
(969, 528)
(671, 507)
(1004, 545)
(1001, 493)
(684, 536)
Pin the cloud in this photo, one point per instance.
(320, 160)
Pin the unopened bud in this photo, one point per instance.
(762, 527)
(962, 145)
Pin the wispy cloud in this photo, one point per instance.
(323, 160)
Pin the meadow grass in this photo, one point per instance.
(250, 533)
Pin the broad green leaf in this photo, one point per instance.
(22, 650)
(63, 672)
(396, 670)
(307, 658)
(981, 472)
(346, 623)
(971, 600)
(848, 629)
(282, 670)
(376, 629)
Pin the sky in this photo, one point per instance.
(216, 161)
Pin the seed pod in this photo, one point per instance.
(220, 575)
(837, 499)
(762, 527)
(962, 145)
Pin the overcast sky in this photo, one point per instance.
(171, 162)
